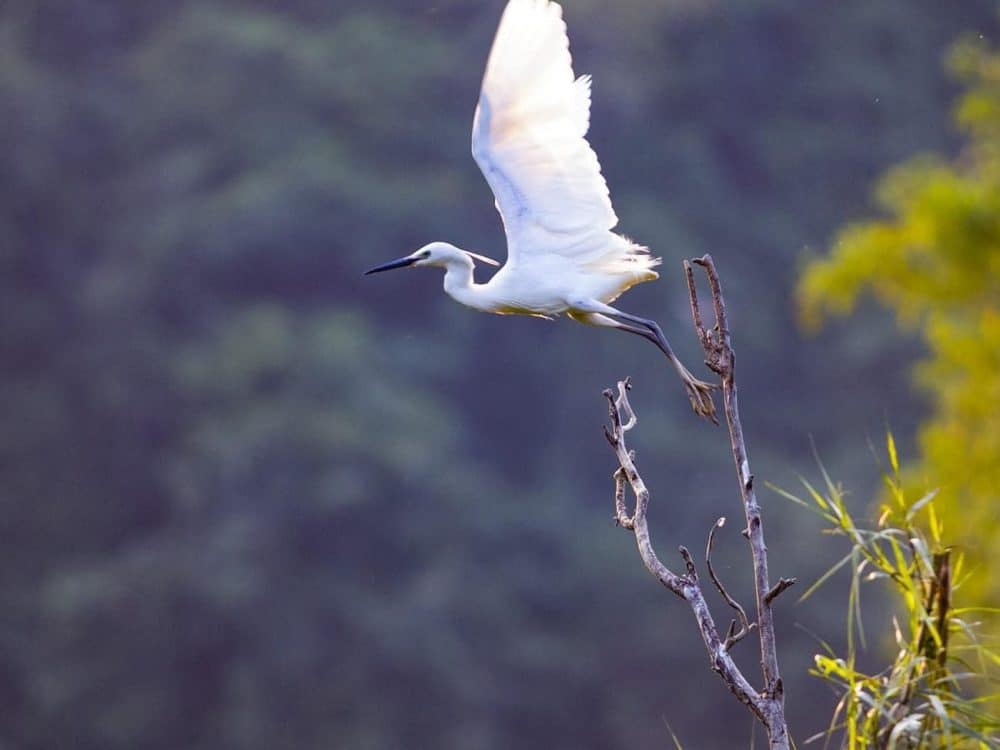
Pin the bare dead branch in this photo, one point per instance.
(767, 704)
(721, 358)
(627, 473)
(708, 343)
(685, 586)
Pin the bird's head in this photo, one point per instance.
(439, 254)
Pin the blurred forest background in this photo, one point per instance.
(252, 500)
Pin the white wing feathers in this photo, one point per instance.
(529, 131)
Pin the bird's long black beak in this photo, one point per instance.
(401, 263)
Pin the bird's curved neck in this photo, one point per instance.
(459, 285)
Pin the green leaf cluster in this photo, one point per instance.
(934, 260)
(936, 690)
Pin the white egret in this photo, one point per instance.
(528, 137)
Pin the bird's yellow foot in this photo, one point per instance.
(700, 395)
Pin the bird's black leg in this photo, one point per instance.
(655, 332)
(645, 333)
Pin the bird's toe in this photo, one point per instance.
(700, 395)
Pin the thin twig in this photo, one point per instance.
(733, 636)
(779, 588)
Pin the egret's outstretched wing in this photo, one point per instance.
(528, 136)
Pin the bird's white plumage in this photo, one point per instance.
(529, 128)
(529, 141)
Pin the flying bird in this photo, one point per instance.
(529, 139)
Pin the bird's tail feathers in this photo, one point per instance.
(628, 258)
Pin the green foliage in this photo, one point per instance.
(935, 261)
(928, 696)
